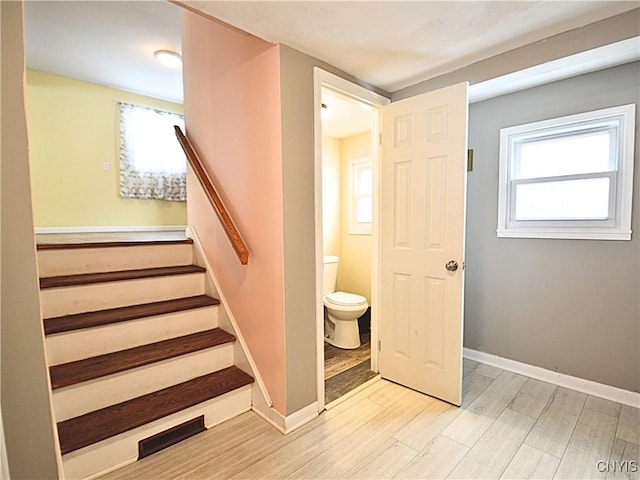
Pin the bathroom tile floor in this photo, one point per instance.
(509, 426)
(345, 370)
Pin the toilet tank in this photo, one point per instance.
(329, 274)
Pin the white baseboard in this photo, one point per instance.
(601, 390)
(110, 229)
(299, 418)
(4, 463)
(287, 424)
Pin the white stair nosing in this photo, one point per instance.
(70, 300)
(88, 342)
(95, 460)
(75, 400)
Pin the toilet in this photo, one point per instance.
(342, 309)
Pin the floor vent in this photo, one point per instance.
(169, 437)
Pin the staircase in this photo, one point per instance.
(136, 356)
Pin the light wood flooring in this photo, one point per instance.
(509, 426)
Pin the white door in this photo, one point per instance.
(423, 192)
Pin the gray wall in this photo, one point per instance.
(26, 412)
(296, 77)
(570, 306)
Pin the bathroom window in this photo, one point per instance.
(360, 196)
(568, 177)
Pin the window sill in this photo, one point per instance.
(577, 234)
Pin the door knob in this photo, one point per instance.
(451, 265)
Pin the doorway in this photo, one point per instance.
(347, 152)
(418, 230)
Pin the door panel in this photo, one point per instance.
(423, 191)
(402, 204)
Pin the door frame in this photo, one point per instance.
(323, 79)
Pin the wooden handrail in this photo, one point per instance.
(230, 229)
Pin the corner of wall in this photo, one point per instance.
(29, 432)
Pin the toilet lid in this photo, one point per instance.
(343, 298)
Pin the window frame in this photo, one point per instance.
(355, 166)
(620, 123)
(137, 181)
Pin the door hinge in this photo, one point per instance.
(470, 160)
(379, 345)
(380, 138)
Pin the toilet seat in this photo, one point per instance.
(345, 299)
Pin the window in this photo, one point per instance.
(360, 196)
(570, 177)
(152, 164)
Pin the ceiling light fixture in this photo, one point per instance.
(168, 58)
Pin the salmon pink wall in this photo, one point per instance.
(232, 115)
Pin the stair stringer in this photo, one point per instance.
(242, 356)
(261, 402)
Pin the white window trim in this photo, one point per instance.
(618, 227)
(355, 227)
(161, 174)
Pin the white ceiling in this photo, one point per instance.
(343, 116)
(394, 44)
(106, 42)
(389, 44)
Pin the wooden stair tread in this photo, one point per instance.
(90, 278)
(123, 243)
(98, 318)
(99, 425)
(86, 369)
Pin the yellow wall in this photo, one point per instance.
(355, 251)
(73, 130)
(331, 198)
(354, 272)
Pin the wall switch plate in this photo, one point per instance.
(106, 166)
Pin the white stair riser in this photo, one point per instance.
(76, 400)
(60, 301)
(89, 260)
(91, 461)
(79, 344)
